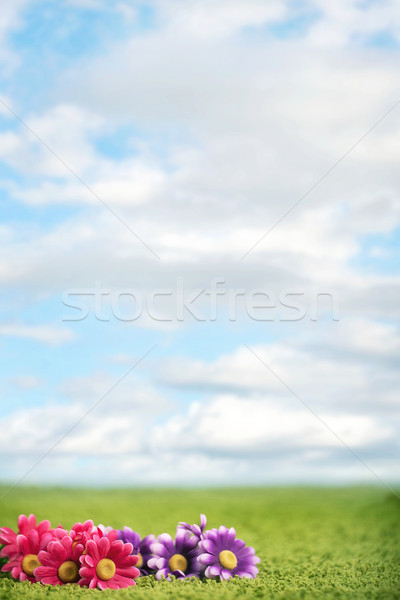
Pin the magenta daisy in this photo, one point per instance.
(108, 563)
(59, 533)
(141, 547)
(23, 548)
(82, 532)
(59, 562)
(224, 556)
(8, 537)
(195, 529)
(177, 558)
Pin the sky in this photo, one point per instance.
(200, 235)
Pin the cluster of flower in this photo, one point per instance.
(107, 558)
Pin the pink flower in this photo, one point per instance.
(108, 563)
(82, 532)
(59, 533)
(8, 537)
(23, 547)
(60, 562)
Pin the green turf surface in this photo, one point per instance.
(313, 543)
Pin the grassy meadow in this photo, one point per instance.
(313, 542)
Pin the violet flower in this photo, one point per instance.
(195, 529)
(225, 556)
(141, 547)
(178, 558)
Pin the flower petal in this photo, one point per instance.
(207, 559)
(43, 527)
(237, 546)
(86, 572)
(213, 571)
(230, 536)
(209, 546)
(103, 546)
(23, 544)
(225, 574)
(244, 574)
(160, 549)
(203, 522)
(162, 574)
(91, 549)
(89, 560)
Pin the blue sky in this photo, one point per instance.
(196, 127)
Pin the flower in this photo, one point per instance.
(141, 547)
(195, 529)
(59, 532)
(8, 537)
(23, 547)
(108, 563)
(178, 558)
(225, 556)
(60, 562)
(82, 532)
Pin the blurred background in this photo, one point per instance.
(199, 242)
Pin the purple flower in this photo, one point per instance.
(177, 558)
(225, 556)
(141, 547)
(195, 529)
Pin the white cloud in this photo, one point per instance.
(228, 438)
(343, 21)
(102, 418)
(210, 19)
(229, 425)
(27, 382)
(65, 129)
(342, 367)
(53, 335)
(11, 19)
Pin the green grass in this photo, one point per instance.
(313, 543)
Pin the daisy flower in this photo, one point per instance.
(141, 547)
(177, 558)
(108, 563)
(195, 529)
(24, 558)
(60, 562)
(82, 532)
(8, 537)
(23, 547)
(225, 556)
(59, 532)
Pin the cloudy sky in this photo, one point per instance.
(200, 240)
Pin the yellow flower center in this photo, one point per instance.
(177, 562)
(105, 569)
(139, 563)
(68, 572)
(227, 559)
(30, 563)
